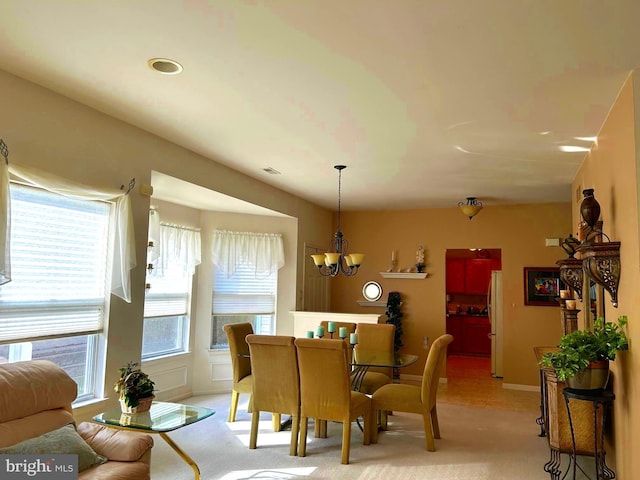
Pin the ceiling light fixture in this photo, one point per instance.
(337, 259)
(165, 66)
(471, 207)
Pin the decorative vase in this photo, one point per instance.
(594, 377)
(143, 406)
(589, 208)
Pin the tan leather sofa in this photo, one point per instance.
(35, 403)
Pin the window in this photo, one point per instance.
(243, 297)
(54, 307)
(167, 301)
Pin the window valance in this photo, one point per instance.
(263, 251)
(124, 255)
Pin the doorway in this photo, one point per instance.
(470, 317)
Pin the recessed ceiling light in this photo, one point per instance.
(573, 148)
(165, 66)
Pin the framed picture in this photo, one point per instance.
(542, 286)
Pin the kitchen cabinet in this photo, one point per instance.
(470, 334)
(455, 276)
(470, 275)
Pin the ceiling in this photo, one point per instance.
(426, 101)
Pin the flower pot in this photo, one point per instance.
(594, 377)
(143, 406)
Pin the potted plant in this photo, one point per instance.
(582, 359)
(135, 389)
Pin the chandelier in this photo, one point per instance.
(337, 259)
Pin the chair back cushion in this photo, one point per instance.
(376, 336)
(274, 368)
(325, 390)
(236, 335)
(35, 398)
(432, 369)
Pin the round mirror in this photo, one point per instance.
(372, 291)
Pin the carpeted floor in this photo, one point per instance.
(487, 433)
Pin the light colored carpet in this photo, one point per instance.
(477, 443)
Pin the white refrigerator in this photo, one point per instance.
(496, 317)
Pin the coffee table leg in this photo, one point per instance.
(182, 454)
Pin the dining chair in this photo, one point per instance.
(276, 383)
(240, 363)
(325, 391)
(416, 399)
(375, 336)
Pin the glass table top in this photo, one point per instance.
(162, 417)
(377, 358)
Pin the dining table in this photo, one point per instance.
(362, 360)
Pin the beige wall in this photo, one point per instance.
(48, 131)
(519, 231)
(611, 170)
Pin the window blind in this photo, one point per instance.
(243, 293)
(59, 250)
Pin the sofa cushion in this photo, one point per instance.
(64, 440)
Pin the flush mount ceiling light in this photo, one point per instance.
(165, 66)
(471, 207)
(337, 259)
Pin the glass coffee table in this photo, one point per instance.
(163, 417)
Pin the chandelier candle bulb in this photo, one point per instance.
(331, 327)
(393, 255)
(353, 338)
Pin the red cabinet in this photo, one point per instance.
(470, 275)
(470, 335)
(455, 272)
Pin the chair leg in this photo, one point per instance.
(346, 441)
(374, 426)
(384, 421)
(302, 447)
(428, 432)
(253, 437)
(370, 423)
(434, 422)
(275, 421)
(233, 408)
(295, 428)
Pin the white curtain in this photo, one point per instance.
(153, 252)
(182, 244)
(124, 255)
(263, 251)
(5, 224)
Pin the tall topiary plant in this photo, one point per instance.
(394, 317)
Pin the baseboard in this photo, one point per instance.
(517, 386)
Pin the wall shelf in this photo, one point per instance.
(409, 275)
(366, 303)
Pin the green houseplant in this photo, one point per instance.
(135, 388)
(582, 354)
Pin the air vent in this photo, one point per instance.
(271, 171)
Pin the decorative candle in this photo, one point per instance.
(331, 327)
(565, 294)
(320, 331)
(309, 333)
(570, 304)
(353, 338)
(343, 332)
(393, 255)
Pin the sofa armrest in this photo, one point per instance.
(118, 445)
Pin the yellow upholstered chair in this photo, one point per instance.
(376, 336)
(241, 365)
(325, 390)
(276, 383)
(414, 399)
